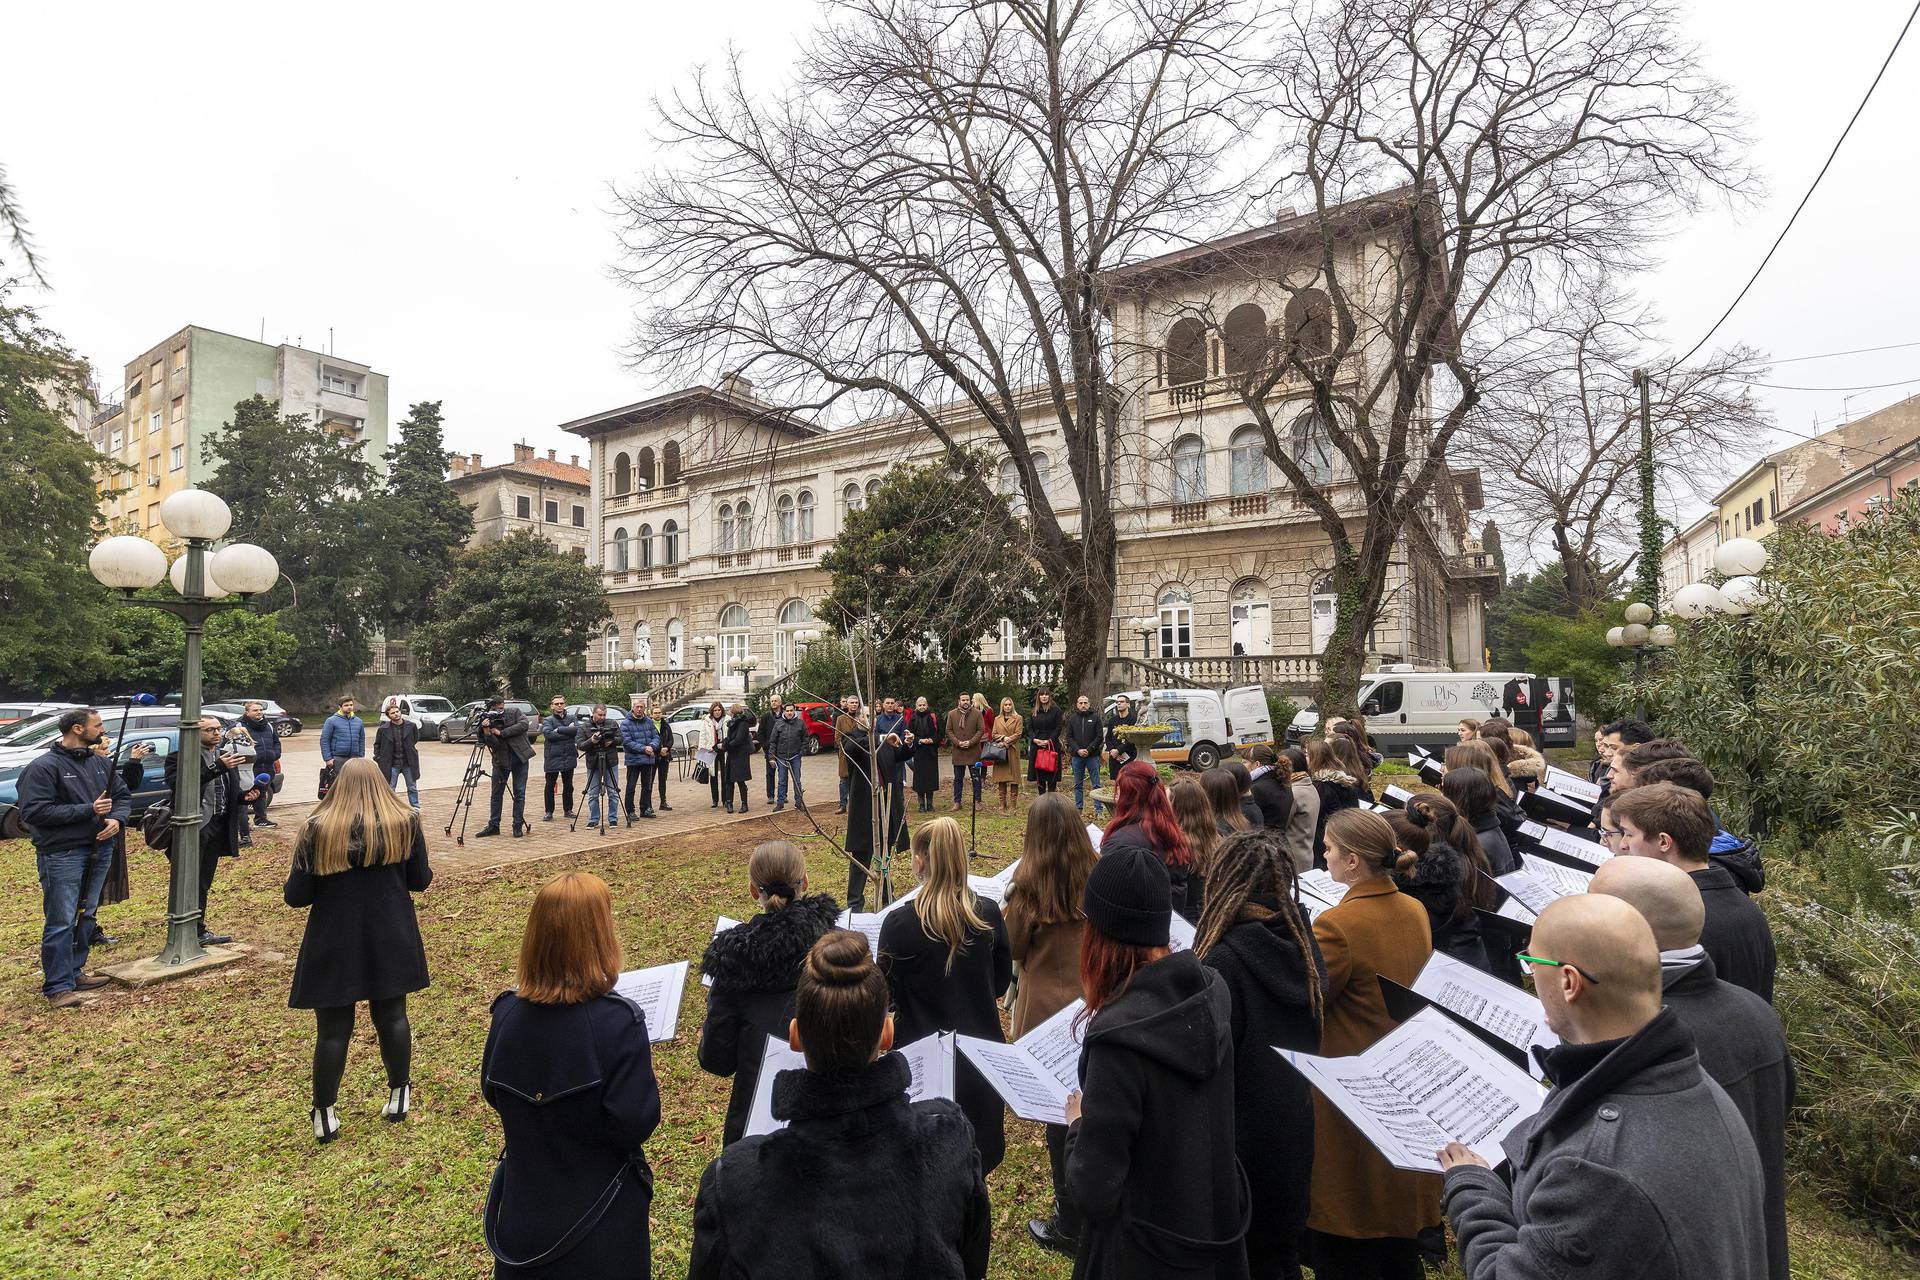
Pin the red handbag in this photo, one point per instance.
(1046, 760)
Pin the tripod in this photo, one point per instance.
(469, 785)
(974, 770)
(599, 785)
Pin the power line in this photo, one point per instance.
(1877, 386)
(1851, 121)
(1857, 351)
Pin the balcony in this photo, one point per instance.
(800, 551)
(1247, 504)
(1190, 512)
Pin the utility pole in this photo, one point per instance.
(1648, 588)
(876, 781)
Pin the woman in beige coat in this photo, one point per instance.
(1010, 731)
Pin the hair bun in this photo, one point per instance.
(1418, 814)
(841, 958)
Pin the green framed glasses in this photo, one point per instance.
(1524, 958)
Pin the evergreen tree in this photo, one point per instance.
(427, 521)
(509, 607)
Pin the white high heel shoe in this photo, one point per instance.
(397, 1104)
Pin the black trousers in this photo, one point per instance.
(640, 775)
(562, 776)
(333, 1032)
(767, 760)
(1063, 1215)
(858, 864)
(660, 769)
(208, 865)
(1382, 1258)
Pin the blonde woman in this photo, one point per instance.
(357, 861)
(1009, 731)
(947, 963)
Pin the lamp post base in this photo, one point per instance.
(148, 970)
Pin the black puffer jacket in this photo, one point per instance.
(755, 967)
(1437, 882)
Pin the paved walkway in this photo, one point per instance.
(691, 812)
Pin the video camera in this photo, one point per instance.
(599, 737)
(493, 718)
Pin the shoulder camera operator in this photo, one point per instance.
(599, 739)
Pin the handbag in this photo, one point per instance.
(156, 827)
(582, 1227)
(701, 773)
(994, 753)
(326, 779)
(1046, 760)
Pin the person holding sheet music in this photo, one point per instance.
(1435, 872)
(569, 1067)
(1256, 936)
(755, 967)
(1472, 791)
(861, 1182)
(948, 962)
(1366, 1214)
(1637, 1166)
(1045, 927)
(1143, 818)
(1151, 1154)
(866, 760)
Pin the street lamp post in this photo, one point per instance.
(745, 667)
(1146, 626)
(129, 564)
(1642, 638)
(1739, 561)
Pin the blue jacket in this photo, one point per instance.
(343, 737)
(56, 792)
(636, 735)
(266, 742)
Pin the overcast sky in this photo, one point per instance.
(433, 189)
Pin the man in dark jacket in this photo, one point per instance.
(1741, 1042)
(642, 740)
(396, 749)
(75, 802)
(768, 719)
(1637, 1167)
(1083, 735)
(559, 752)
(1270, 790)
(1666, 821)
(786, 748)
(598, 741)
(509, 735)
(266, 754)
(225, 792)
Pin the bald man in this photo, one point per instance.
(1637, 1167)
(1741, 1042)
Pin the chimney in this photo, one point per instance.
(476, 462)
(574, 461)
(523, 453)
(550, 455)
(456, 464)
(736, 383)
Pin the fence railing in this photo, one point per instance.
(1284, 671)
(660, 684)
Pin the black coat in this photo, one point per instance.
(515, 741)
(1272, 989)
(929, 997)
(739, 758)
(1437, 883)
(1043, 728)
(1736, 934)
(925, 728)
(1493, 843)
(559, 744)
(575, 1090)
(1151, 1164)
(219, 823)
(755, 967)
(1744, 1048)
(861, 1183)
(56, 791)
(396, 746)
(860, 768)
(1250, 810)
(1179, 878)
(1275, 799)
(363, 939)
(1337, 791)
(1083, 730)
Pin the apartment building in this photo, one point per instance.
(545, 495)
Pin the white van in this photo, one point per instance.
(1209, 725)
(1406, 708)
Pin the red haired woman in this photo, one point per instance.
(1143, 818)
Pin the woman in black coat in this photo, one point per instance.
(948, 962)
(356, 864)
(738, 761)
(1257, 937)
(924, 727)
(716, 728)
(1472, 794)
(1043, 730)
(569, 1068)
(755, 967)
(1438, 875)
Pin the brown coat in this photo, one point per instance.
(1011, 732)
(1049, 960)
(965, 732)
(1375, 930)
(843, 724)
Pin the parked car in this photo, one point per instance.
(1208, 724)
(284, 722)
(426, 711)
(689, 728)
(37, 736)
(12, 713)
(458, 727)
(1406, 708)
(153, 777)
(819, 717)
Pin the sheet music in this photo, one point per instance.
(1179, 933)
(657, 991)
(995, 886)
(1485, 1001)
(1514, 909)
(1415, 756)
(1541, 882)
(1029, 1089)
(930, 1059)
(1055, 1045)
(1424, 1084)
(1571, 784)
(1590, 852)
(1095, 834)
(1396, 797)
(864, 922)
(725, 923)
(900, 901)
(1322, 886)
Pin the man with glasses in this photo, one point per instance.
(74, 801)
(1638, 1164)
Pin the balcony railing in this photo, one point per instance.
(1284, 671)
(1190, 512)
(1247, 504)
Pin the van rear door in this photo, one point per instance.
(1247, 713)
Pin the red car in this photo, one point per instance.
(819, 718)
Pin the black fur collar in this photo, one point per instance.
(765, 953)
(810, 1095)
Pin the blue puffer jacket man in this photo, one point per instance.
(636, 735)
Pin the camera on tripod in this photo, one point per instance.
(599, 737)
(495, 719)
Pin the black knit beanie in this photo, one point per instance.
(1129, 898)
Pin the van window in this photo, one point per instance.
(1386, 696)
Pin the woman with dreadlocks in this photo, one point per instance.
(1256, 936)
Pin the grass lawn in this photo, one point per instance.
(164, 1133)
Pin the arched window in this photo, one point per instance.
(783, 520)
(1309, 323)
(794, 616)
(1189, 470)
(617, 551)
(734, 617)
(850, 497)
(723, 528)
(612, 648)
(1007, 484)
(644, 539)
(1326, 612)
(806, 515)
(622, 474)
(1312, 448)
(670, 542)
(646, 468)
(1245, 336)
(1250, 618)
(642, 645)
(1043, 471)
(1176, 623)
(873, 490)
(1186, 352)
(743, 526)
(670, 463)
(795, 613)
(1247, 453)
(735, 641)
(676, 643)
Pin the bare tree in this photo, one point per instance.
(1517, 150)
(916, 222)
(1558, 442)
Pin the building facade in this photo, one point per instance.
(1860, 493)
(710, 508)
(181, 393)
(545, 495)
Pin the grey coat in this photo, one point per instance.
(1303, 821)
(788, 739)
(1640, 1169)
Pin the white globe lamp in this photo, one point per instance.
(1742, 595)
(1662, 635)
(245, 569)
(1633, 635)
(1697, 600)
(1616, 636)
(210, 586)
(1637, 612)
(1740, 557)
(195, 513)
(127, 563)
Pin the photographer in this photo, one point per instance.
(599, 741)
(642, 740)
(222, 805)
(506, 732)
(559, 752)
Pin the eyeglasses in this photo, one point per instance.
(1524, 958)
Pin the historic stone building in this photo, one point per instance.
(544, 495)
(710, 507)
